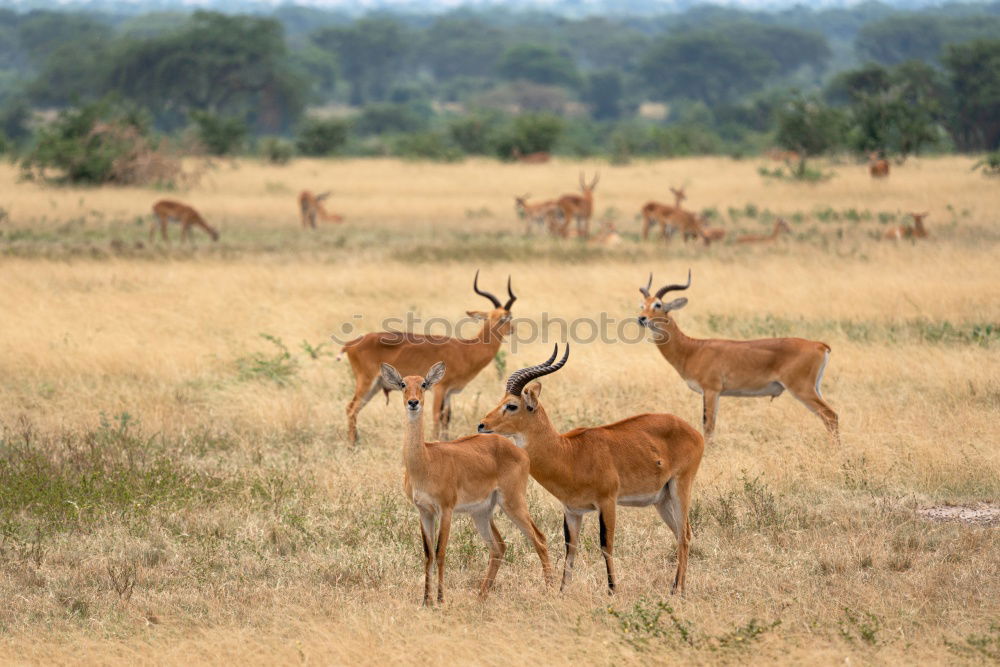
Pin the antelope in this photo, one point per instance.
(579, 207)
(470, 475)
(917, 231)
(166, 210)
(531, 158)
(609, 236)
(542, 213)
(688, 223)
(714, 368)
(710, 234)
(878, 167)
(311, 208)
(781, 226)
(648, 459)
(655, 212)
(412, 352)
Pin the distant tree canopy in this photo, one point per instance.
(232, 65)
(370, 53)
(903, 37)
(974, 73)
(538, 64)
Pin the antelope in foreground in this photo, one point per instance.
(579, 207)
(311, 208)
(412, 352)
(470, 475)
(166, 210)
(648, 459)
(781, 226)
(714, 368)
(655, 212)
(878, 167)
(917, 231)
(540, 157)
(542, 213)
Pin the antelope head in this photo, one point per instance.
(919, 217)
(521, 205)
(519, 407)
(655, 312)
(498, 319)
(589, 189)
(782, 226)
(412, 386)
(679, 196)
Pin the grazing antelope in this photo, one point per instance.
(311, 208)
(542, 213)
(579, 207)
(878, 167)
(412, 352)
(710, 234)
(655, 212)
(648, 459)
(689, 225)
(166, 210)
(781, 226)
(714, 368)
(470, 475)
(540, 157)
(917, 231)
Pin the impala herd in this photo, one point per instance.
(639, 461)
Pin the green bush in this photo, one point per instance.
(220, 135)
(319, 137)
(475, 134)
(276, 150)
(98, 143)
(427, 146)
(531, 133)
(391, 118)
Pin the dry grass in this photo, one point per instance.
(226, 519)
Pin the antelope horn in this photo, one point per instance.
(663, 290)
(597, 177)
(510, 293)
(583, 182)
(518, 379)
(645, 290)
(475, 288)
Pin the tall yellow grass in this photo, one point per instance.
(314, 556)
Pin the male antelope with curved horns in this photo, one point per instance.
(413, 353)
(714, 367)
(648, 459)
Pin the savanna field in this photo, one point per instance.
(176, 484)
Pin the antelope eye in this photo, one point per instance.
(402, 385)
(423, 385)
(657, 306)
(510, 407)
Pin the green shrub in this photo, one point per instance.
(475, 134)
(319, 137)
(427, 146)
(220, 135)
(391, 118)
(531, 133)
(276, 150)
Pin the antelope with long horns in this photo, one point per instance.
(471, 475)
(411, 353)
(653, 212)
(714, 368)
(579, 207)
(648, 459)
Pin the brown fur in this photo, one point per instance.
(779, 227)
(579, 207)
(166, 210)
(311, 208)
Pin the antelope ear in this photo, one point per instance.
(676, 304)
(434, 375)
(477, 314)
(391, 378)
(530, 395)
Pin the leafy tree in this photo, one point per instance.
(321, 136)
(475, 134)
(531, 133)
(220, 135)
(900, 38)
(602, 43)
(388, 117)
(974, 72)
(231, 65)
(790, 48)
(809, 128)
(704, 67)
(538, 64)
(369, 52)
(461, 46)
(42, 32)
(604, 93)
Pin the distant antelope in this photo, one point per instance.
(878, 167)
(311, 208)
(411, 353)
(608, 237)
(471, 475)
(579, 207)
(540, 213)
(540, 157)
(917, 231)
(654, 212)
(779, 227)
(714, 367)
(166, 210)
(712, 234)
(642, 460)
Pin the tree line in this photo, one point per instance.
(709, 80)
